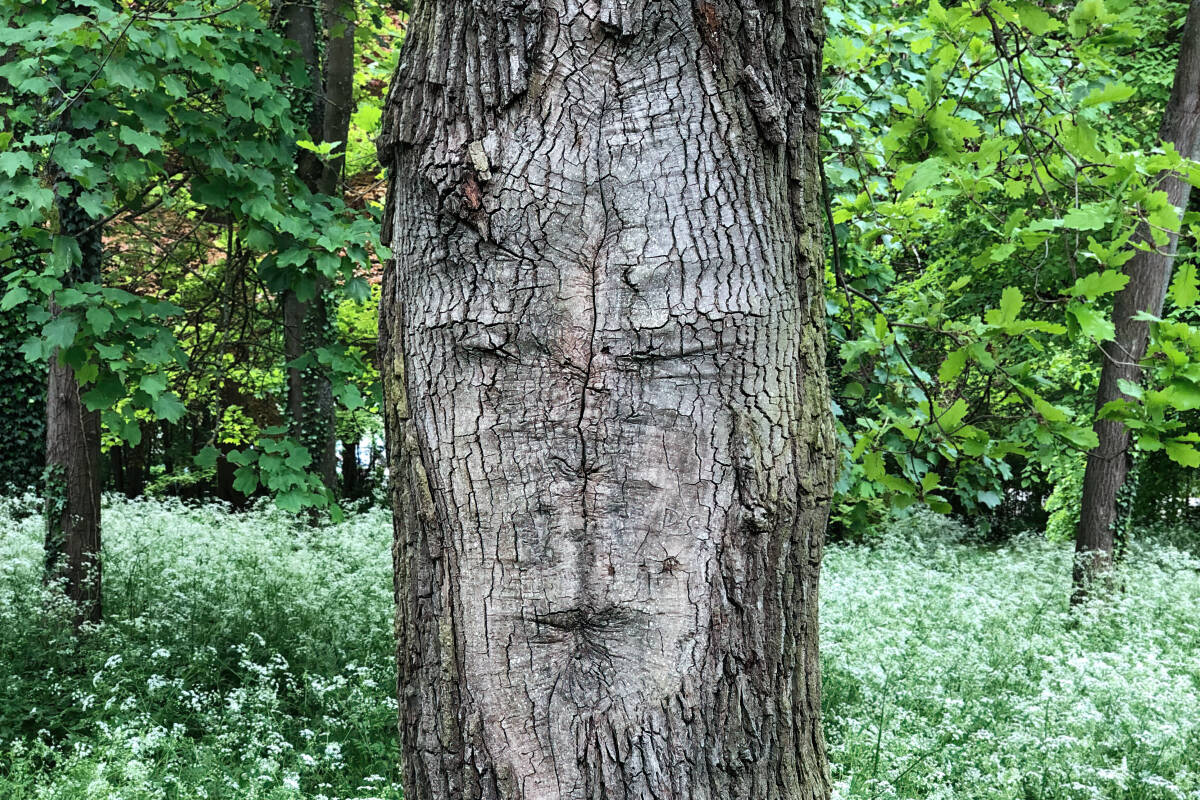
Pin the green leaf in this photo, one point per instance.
(953, 365)
(1088, 217)
(949, 421)
(207, 457)
(1037, 21)
(1182, 395)
(299, 458)
(60, 331)
(1184, 288)
(1109, 93)
(929, 173)
(1093, 323)
(245, 480)
(168, 406)
(146, 143)
(107, 392)
(350, 396)
(291, 501)
(1011, 302)
(100, 318)
(153, 384)
(989, 498)
(14, 161)
(1099, 283)
(1183, 453)
(66, 298)
(14, 297)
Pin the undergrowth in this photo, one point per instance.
(249, 656)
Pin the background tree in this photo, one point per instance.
(1135, 307)
(325, 44)
(608, 420)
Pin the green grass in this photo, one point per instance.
(247, 656)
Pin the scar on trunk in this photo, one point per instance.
(710, 26)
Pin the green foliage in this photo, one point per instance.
(22, 408)
(984, 205)
(172, 118)
(230, 665)
(280, 465)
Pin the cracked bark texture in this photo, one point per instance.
(602, 341)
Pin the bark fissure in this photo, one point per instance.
(606, 407)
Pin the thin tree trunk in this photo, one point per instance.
(72, 480)
(608, 421)
(308, 325)
(351, 471)
(340, 23)
(1150, 273)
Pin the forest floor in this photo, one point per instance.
(245, 656)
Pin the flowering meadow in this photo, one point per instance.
(249, 656)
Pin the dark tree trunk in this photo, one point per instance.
(129, 467)
(308, 324)
(1150, 273)
(351, 471)
(339, 19)
(608, 421)
(72, 481)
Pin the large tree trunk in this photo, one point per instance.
(1150, 273)
(72, 480)
(608, 419)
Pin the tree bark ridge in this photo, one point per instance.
(602, 341)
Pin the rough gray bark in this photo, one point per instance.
(1150, 274)
(602, 342)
